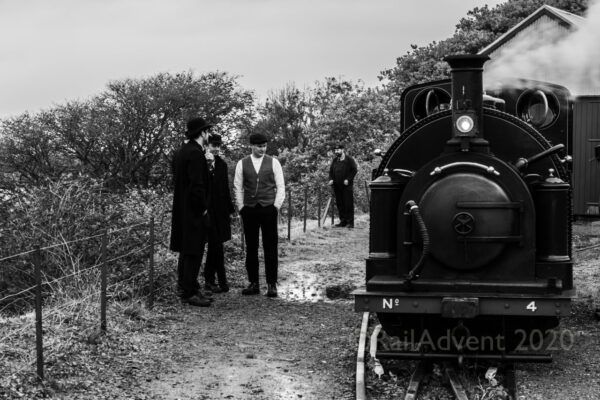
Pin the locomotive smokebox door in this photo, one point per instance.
(466, 214)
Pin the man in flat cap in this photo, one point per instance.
(219, 210)
(190, 220)
(259, 194)
(341, 177)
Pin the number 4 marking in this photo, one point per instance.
(531, 306)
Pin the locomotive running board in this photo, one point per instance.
(535, 305)
(393, 283)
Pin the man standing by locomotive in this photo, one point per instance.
(341, 176)
(219, 210)
(259, 194)
(190, 220)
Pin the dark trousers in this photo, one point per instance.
(262, 219)
(188, 268)
(344, 198)
(215, 263)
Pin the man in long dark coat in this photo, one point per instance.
(219, 210)
(190, 219)
(341, 176)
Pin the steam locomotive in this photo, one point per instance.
(470, 219)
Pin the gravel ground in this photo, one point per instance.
(301, 345)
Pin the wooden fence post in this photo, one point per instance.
(319, 206)
(103, 274)
(305, 207)
(290, 215)
(151, 265)
(39, 340)
(332, 209)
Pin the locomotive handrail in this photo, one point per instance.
(524, 162)
(487, 168)
(404, 172)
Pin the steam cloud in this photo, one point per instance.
(572, 60)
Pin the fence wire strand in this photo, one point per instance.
(109, 232)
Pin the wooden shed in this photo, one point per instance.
(547, 26)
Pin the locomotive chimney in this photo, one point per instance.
(467, 100)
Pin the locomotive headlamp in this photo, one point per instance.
(464, 124)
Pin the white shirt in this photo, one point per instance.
(238, 181)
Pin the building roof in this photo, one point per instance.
(564, 18)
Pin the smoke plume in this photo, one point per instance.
(572, 60)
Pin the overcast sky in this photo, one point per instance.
(59, 50)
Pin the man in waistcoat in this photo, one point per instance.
(219, 210)
(190, 220)
(259, 194)
(341, 176)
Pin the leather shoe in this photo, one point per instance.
(197, 300)
(206, 294)
(251, 289)
(340, 225)
(212, 288)
(350, 226)
(271, 290)
(224, 288)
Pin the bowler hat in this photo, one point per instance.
(258, 138)
(195, 126)
(339, 146)
(215, 139)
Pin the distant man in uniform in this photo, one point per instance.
(220, 210)
(259, 194)
(341, 177)
(190, 220)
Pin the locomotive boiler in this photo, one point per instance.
(470, 220)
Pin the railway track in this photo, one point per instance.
(450, 369)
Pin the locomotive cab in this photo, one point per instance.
(470, 219)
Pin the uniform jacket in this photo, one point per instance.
(189, 225)
(341, 170)
(220, 204)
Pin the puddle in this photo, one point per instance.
(306, 286)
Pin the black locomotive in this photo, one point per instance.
(470, 218)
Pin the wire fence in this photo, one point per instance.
(39, 256)
(303, 207)
(310, 204)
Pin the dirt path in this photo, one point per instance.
(298, 346)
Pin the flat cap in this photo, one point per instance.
(258, 138)
(215, 138)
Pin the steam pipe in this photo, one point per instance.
(416, 270)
